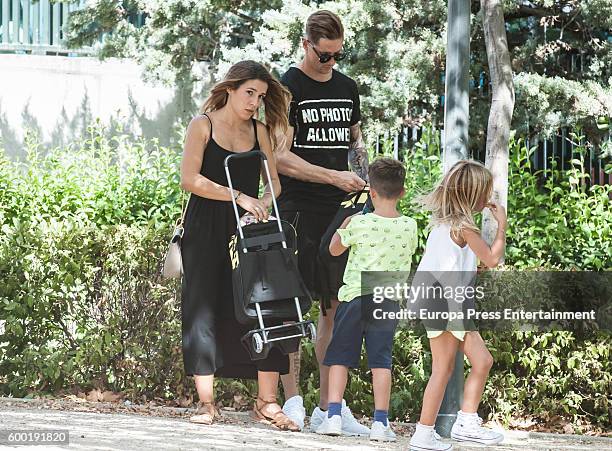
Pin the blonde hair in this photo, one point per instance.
(454, 199)
(276, 101)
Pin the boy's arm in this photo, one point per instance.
(335, 246)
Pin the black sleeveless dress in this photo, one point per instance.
(211, 334)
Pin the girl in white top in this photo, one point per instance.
(455, 244)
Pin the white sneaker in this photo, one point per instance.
(331, 426)
(317, 418)
(294, 409)
(381, 432)
(427, 439)
(468, 428)
(350, 426)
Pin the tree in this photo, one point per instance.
(560, 52)
(175, 35)
(175, 41)
(502, 106)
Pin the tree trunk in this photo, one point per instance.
(457, 84)
(502, 106)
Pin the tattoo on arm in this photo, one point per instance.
(358, 154)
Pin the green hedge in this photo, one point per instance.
(83, 304)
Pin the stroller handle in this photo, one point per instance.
(263, 157)
(242, 155)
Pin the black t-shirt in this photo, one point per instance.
(321, 114)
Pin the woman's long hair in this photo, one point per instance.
(276, 101)
(455, 198)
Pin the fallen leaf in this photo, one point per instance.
(94, 396)
(239, 402)
(185, 401)
(109, 396)
(76, 398)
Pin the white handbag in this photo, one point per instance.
(173, 260)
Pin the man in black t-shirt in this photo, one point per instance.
(313, 164)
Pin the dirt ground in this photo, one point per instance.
(121, 426)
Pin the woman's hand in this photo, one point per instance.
(256, 207)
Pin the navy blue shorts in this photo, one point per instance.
(355, 321)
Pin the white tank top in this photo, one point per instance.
(443, 254)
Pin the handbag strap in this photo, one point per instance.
(184, 205)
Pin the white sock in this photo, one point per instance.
(463, 414)
(423, 426)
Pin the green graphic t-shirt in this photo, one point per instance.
(375, 243)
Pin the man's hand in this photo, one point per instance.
(348, 181)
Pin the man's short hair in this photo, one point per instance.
(323, 24)
(387, 177)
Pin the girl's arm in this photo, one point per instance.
(490, 256)
(266, 148)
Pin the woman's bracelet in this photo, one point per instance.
(237, 195)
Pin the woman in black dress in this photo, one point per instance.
(211, 334)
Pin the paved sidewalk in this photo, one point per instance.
(119, 431)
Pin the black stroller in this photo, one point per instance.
(266, 281)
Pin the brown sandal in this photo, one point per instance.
(206, 413)
(279, 420)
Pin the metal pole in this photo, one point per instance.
(456, 98)
(456, 121)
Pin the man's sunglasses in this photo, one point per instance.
(325, 57)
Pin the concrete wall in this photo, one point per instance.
(57, 97)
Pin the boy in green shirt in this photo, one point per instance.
(383, 240)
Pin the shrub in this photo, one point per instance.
(561, 223)
(82, 303)
(81, 296)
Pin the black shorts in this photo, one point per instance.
(310, 228)
(358, 320)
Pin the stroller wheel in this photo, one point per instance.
(312, 332)
(257, 343)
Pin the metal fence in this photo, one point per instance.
(557, 150)
(37, 27)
